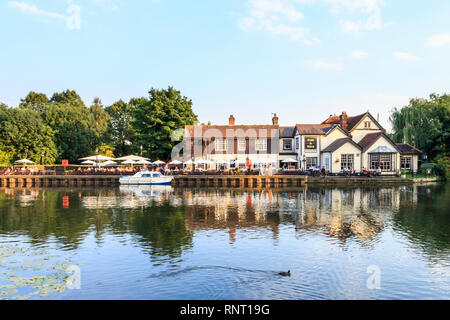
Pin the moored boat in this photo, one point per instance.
(146, 178)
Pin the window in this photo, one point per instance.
(347, 161)
(311, 162)
(287, 144)
(242, 145)
(221, 144)
(297, 143)
(382, 161)
(367, 124)
(405, 163)
(261, 144)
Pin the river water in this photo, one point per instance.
(179, 243)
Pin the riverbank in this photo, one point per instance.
(207, 181)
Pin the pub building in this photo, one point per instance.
(338, 144)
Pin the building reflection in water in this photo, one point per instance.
(336, 212)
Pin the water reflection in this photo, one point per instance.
(239, 238)
(164, 219)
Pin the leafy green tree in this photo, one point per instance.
(34, 101)
(424, 124)
(68, 97)
(120, 132)
(23, 134)
(156, 120)
(100, 121)
(73, 136)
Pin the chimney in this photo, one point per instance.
(231, 121)
(344, 121)
(275, 119)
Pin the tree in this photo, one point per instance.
(69, 97)
(156, 120)
(73, 136)
(100, 121)
(424, 124)
(34, 101)
(120, 132)
(23, 134)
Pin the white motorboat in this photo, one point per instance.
(146, 178)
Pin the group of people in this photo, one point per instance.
(11, 171)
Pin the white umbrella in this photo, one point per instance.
(143, 162)
(88, 162)
(158, 162)
(189, 162)
(176, 162)
(108, 163)
(25, 161)
(132, 158)
(129, 162)
(289, 160)
(98, 158)
(200, 161)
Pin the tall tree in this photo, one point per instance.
(34, 101)
(120, 131)
(156, 120)
(100, 121)
(424, 123)
(23, 134)
(68, 97)
(73, 136)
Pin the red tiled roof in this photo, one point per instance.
(351, 121)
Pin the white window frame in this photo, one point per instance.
(221, 144)
(290, 142)
(261, 144)
(241, 144)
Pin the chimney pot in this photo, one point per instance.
(275, 119)
(231, 120)
(344, 121)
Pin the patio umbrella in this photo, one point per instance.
(129, 162)
(289, 160)
(109, 163)
(98, 158)
(88, 162)
(25, 161)
(143, 162)
(189, 162)
(159, 162)
(176, 162)
(132, 158)
(222, 162)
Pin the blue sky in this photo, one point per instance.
(303, 59)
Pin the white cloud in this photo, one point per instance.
(359, 54)
(73, 20)
(277, 17)
(439, 40)
(405, 56)
(320, 64)
(369, 9)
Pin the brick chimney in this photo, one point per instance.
(231, 121)
(275, 119)
(344, 121)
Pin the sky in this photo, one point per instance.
(301, 59)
